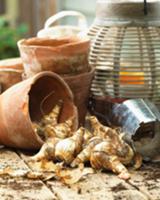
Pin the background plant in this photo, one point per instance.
(9, 37)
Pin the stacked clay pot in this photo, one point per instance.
(67, 57)
(11, 71)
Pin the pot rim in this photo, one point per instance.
(51, 74)
(76, 76)
(9, 69)
(72, 41)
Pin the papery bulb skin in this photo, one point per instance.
(52, 117)
(104, 155)
(47, 150)
(67, 149)
(84, 155)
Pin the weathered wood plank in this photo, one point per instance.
(26, 14)
(97, 186)
(8, 158)
(143, 185)
(2, 7)
(20, 188)
(37, 12)
(148, 180)
(24, 189)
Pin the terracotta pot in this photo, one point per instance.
(23, 103)
(80, 86)
(63, 56)
(10, 72)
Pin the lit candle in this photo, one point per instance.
(132, 78)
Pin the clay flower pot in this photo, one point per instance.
(10, 72)
(63, 56)
(80, 85)
(23, 103)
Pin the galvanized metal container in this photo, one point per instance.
(140, 121)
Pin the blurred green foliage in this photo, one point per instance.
(9, 37)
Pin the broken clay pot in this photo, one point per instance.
(62, 56)
(26, 102)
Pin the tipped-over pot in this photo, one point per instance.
(26, 102)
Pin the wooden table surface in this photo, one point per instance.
(143, 185)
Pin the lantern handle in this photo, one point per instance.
(145, 7)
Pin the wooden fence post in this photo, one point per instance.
(34, 13)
